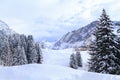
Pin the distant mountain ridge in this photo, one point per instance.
(80, 37)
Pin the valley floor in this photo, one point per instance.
(55, 67)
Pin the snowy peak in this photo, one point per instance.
(5, 28)
(76, 37)
(80, 37)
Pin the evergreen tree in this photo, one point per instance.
(79, 60)
(23, 42)
(32, 55)
(19, 57)
(118, 31)
(73, 61)
(16, 46)
(39, 53)
(105, 55)
(14, 40)
(5, 52)
(118, 38)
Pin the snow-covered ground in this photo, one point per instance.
(62, 57)
(50, 72)
(55, 67)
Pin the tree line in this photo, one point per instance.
(18, 49)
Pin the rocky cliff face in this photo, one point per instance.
(80, 37)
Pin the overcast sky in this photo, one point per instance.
(51, 19)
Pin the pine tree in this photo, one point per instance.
(18, 52)
(118, 31)
(39, 53)
(73, 61)
(105, 56)
(14, 40)
(79, 60)
(118, 38)
(19, 57)
(5, 52)
(32, 55)
(23, 42)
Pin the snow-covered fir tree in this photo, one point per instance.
(19, 57)
(118, 31)
(105, 55)
(23, 43)
(118, 38)
(79, 59)
(39, 53)
(14, 40)
(31, 50)
(73, 61)
(5, 52)
(17, 49)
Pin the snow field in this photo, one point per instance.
(55, 67)
(50, 72)
(62, 57)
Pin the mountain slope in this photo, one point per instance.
(80, 37)
(4, 28)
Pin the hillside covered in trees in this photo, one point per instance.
(16, 49)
